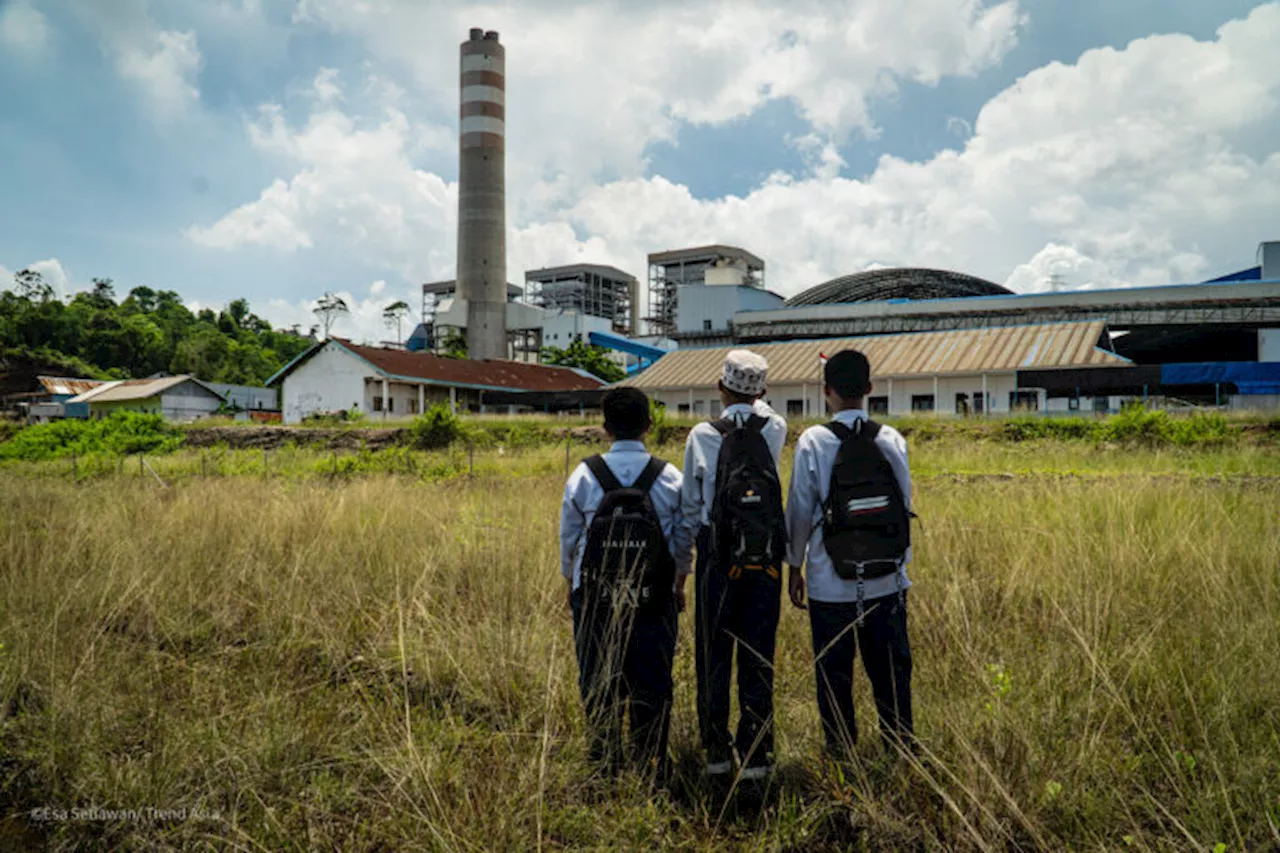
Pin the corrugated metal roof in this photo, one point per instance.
(697, 253)
(92, 393)
(967, 351)
(136, 389)
(62, 385)
(604, 271)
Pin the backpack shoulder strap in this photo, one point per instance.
(604, 476)
(756, 423)
(724, 426)
(866, 428)
(839, 430)
(649, 475)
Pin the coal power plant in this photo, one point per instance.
(482, 213)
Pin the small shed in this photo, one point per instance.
(176, 398)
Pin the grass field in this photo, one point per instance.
(380, 659)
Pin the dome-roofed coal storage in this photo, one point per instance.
(897, 283)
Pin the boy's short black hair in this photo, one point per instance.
(626, 413)
(848, 373)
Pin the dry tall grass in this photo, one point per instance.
(385, 663)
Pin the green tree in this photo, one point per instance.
(104, 293)
(328, 308)
(150, 331)
(32, 286)
(142, 346)
(203, 353)
(393, 316)
(142, 299)
(584, 356)
(454, 344)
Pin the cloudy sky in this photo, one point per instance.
(275, 150)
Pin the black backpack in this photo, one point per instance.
(626, 561)
(866, 525)
(749, 530)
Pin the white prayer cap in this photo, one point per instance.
(745, 373)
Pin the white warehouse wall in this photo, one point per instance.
(404, 397)
(188, 402)
(698, 303)
(331, 379)
(808, 397)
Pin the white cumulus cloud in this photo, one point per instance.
(54, 274)
(164, 64)
(591, 84)
(1146, 165)
(22, 27)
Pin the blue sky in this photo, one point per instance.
(276, 150)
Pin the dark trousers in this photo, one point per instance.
(881, 637)
(624, 664)
(739, 613)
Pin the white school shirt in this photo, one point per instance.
(582, 495)
(810, 481)
(702, 452)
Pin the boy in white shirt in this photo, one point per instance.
(857, 584)
(738, 592)
(619, 567)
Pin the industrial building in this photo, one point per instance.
(589, 290)
(970, 371)
(338, 375)
(1211, 343)
(445, 311)
(529, 326)
(682, 276)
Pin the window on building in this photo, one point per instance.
(795, 408)
(413, 407)
(979, 402)
(962, 404)
(391, 404)
(682, 409)
(377, 404)
(1102, 404)
(1073, 404)
(697, 407)
(878, 405)
(706, 325)
(922, 403)
(1024, 401)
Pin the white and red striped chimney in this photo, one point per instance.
(482, 205)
